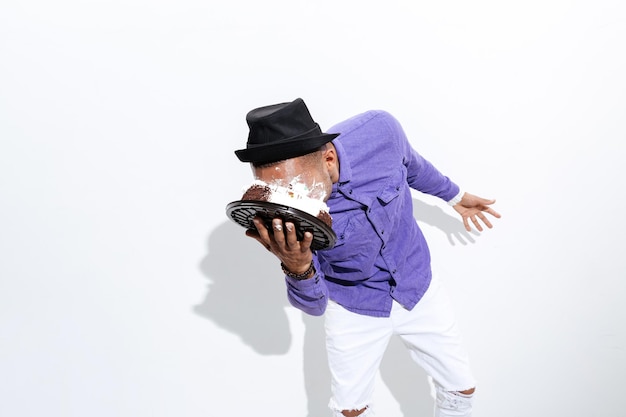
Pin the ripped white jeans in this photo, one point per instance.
(356, 343)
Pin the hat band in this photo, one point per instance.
(314, 132)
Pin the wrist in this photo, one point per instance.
(457, 198)
(306, 274)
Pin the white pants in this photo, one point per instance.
(356, 343)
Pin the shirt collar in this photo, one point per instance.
(345, 171)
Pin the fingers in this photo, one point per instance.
(260, 234)
(474, 217)
(485, 220)
(305, 243)
(255, 235)
(281, 238)
(292, 237)
(278, 233)
(477, 223)
(492, 212)
(261, 230)
(287, 238)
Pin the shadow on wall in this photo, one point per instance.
(247, 297)
(246, 294)
(450, 225)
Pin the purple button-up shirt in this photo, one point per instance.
(380, 253)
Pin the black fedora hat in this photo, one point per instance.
(281, 131)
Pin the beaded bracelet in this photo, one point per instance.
(301, 276)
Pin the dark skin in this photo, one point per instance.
(297, 256)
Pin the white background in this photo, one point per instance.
(125, 290)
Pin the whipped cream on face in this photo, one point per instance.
(295, 194)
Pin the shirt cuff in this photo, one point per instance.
(303, 284)
(457, 198)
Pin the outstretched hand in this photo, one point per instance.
(473, 208)
(283, 243)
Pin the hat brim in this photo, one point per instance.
(278, 151)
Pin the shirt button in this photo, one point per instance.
(382, 232)
(394, 271)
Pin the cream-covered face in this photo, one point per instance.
(315, 173)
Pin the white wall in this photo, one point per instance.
(125, 290)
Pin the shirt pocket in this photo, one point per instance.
(389, 200)
(393, 187)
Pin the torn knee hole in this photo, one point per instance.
(467, 391)
(353, 413)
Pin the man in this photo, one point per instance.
(376, 280)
